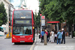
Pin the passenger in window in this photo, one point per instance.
(26, 31)
(29, 31)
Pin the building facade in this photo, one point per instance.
(9, 8)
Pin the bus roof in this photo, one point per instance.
(22, 9)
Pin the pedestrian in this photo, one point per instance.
(48, 35)
(42, 35)
(55, 33)
(52, 36)
(46, 32)
(63, 35)
(59, 37)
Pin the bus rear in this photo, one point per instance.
(22, 26)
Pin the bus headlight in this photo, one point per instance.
(14, 37)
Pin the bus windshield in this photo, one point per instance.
(26, 30)
(22, 14)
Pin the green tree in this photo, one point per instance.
(60, 10)
(37, 20)
(53, 11)
(3, 15)
(42, 6)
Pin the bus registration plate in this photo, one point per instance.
(22, 41)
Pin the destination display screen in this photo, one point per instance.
(23, 22)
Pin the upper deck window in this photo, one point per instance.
(22, 14)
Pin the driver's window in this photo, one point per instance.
(16, 30)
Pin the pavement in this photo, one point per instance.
(70, 44)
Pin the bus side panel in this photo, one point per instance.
(33, 29)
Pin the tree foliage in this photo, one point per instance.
(42, 6)
(3, 15)
(59, 10)
(37, 19)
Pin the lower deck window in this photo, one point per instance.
(26, 30)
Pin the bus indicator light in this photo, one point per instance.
(33, 27)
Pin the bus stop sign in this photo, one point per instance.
(43, 17)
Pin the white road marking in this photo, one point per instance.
(32, 45)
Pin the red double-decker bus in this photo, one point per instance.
(23, 26)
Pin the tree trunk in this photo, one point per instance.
(37, 30)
